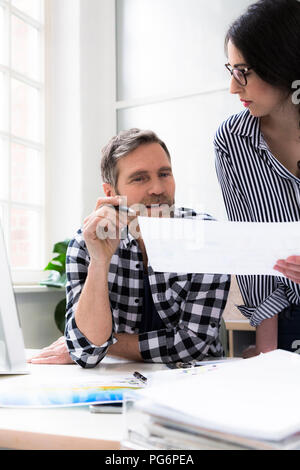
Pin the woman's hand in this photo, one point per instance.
(250, 351)
(290, 267)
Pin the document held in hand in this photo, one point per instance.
(199, 246)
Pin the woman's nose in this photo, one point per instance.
(235, 87)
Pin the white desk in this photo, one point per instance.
(66, 428)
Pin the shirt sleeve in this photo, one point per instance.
(264, 296)
(196, 333)
(81, 350)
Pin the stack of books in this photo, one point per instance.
(247, 404)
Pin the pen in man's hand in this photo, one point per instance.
(102, 234)
(125, 209)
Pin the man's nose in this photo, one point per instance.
(156, 187)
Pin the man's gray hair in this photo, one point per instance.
(120, 146)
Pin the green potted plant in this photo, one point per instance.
(58, 279)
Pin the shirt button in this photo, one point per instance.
(137, 301)
(213, 325)
(137, 265)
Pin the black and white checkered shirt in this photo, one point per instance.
(190, 305)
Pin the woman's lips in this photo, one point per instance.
(246, 103)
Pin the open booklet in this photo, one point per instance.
(69, 392)
(40, 391)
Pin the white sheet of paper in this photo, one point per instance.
(198, 246)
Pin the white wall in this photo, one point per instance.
(36, 313)
(81, 95)
(63, 133)
(98, 92)
(172, 80)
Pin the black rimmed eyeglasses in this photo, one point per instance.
(240, 75)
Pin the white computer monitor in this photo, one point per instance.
(12, 350)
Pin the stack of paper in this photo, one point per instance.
(251, 403)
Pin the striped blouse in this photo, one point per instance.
(256, 187)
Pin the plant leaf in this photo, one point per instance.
(60, 259)
(61, 247)
(55, 267)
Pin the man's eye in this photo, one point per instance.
(164, 175)
(139, 178)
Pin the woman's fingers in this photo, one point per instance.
(290, 267)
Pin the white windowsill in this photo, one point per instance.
(35, 289)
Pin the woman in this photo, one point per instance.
(258, 157)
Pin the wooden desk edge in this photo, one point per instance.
(239, 325)
(23, 440)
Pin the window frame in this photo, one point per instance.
(25, 275)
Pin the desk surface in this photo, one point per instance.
(66, 428)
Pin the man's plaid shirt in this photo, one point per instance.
(190, 305)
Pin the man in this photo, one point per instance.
(116, 303)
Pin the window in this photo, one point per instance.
(22, 132)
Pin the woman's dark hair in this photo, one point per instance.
(268, 36)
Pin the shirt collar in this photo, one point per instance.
(248, 126)
(127, 239)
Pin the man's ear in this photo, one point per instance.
(108, 190)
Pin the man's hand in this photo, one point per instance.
(107, 222)
(56, 353)
(290, 267)
(101, 232)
